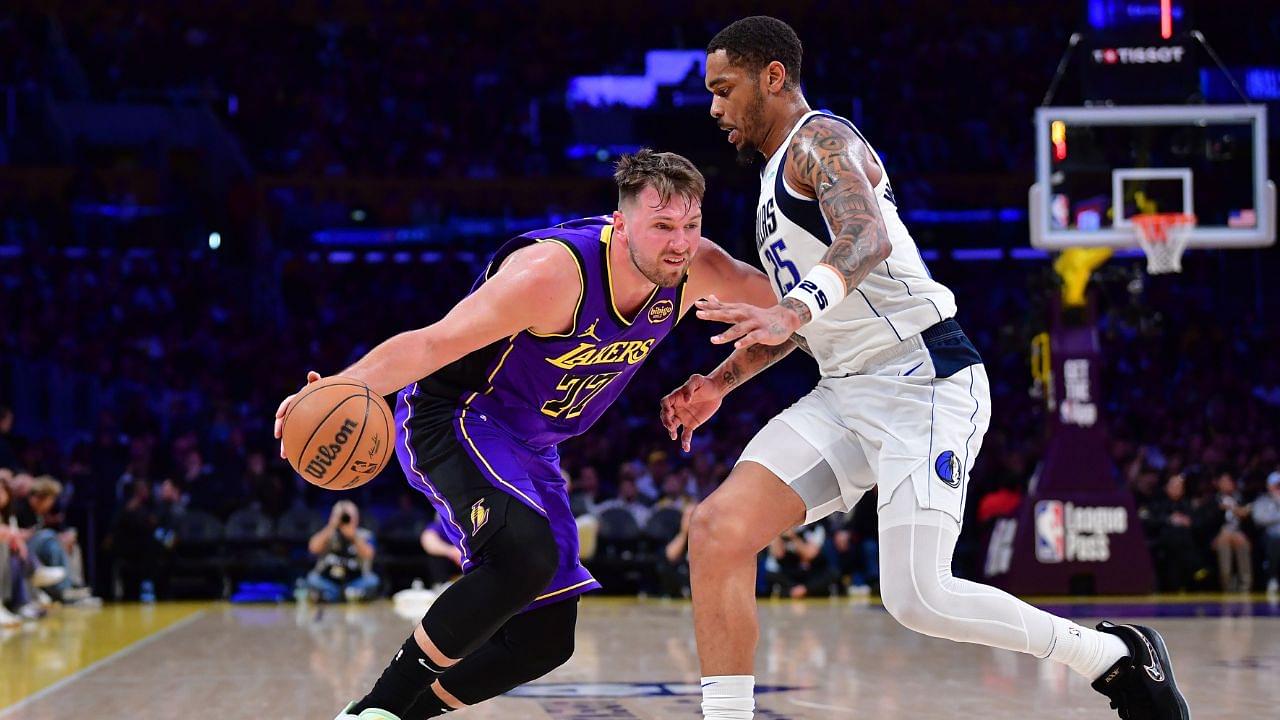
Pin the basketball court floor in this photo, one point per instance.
(635, 659)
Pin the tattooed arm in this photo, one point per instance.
(692, 404)
(827, 160)
(745, 363)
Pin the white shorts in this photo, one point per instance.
(896, 420)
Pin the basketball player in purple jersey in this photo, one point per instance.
(547, 339)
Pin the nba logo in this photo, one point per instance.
(1060, 212)
(1051, 532)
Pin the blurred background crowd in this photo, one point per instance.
(199, 204)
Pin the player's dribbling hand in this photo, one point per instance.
(689, 406)
(312, 376)
(749, 325)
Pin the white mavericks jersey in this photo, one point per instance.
(897, 300)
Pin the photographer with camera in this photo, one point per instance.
(345, 567)
(797, 566)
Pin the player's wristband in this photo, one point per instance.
(820, 290)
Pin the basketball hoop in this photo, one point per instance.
(1163, 237)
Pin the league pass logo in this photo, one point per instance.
(661, 311)
(1066, 532)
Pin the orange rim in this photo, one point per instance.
(1155, 226)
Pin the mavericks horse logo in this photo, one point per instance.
(949, 469)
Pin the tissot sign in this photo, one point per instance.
(1139, 55)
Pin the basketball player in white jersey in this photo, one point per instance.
(903, 402)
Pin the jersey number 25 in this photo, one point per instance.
(780, 263)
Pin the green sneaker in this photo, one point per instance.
(370, 714)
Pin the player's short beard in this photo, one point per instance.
(753, 119)
(655, 272)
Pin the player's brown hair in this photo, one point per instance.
(668, 173)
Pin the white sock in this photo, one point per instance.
(1086, 651)
(728, 697)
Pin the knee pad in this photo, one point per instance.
(560, 648)
(523, 548)
(515, 556)
(549, 641)
(529, 646)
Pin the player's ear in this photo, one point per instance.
(619, 222)
(775, 76)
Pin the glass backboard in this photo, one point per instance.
(1097, 167)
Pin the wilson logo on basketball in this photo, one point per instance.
(661, 311)
(319, 465)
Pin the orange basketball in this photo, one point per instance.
(338, 434)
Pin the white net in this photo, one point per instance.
(1163, 238)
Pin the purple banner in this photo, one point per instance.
(1077, 531)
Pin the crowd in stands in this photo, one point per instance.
(319, 96)
(40, 558)
(167, 425)
(397, 92)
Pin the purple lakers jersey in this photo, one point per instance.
(545, 388)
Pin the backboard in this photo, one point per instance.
(1097, 167)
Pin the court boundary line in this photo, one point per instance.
(95, 665)
(820, 706)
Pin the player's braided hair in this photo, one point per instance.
(668, 173)
(754, 42)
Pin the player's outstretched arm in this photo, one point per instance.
(687, 407)
(723, 288)
(716, 272)
(537, 287)
(736, 289)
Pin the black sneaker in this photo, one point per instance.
(1141, 686)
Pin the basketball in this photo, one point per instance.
(338, 434)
